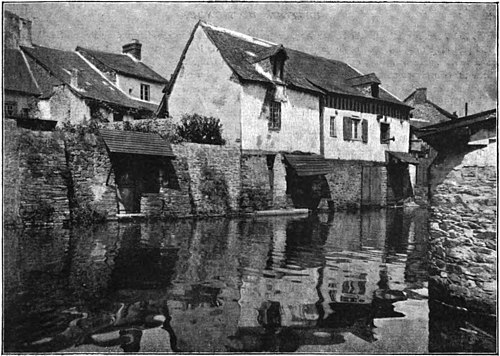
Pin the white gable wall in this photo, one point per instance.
(299, 122)
(205, 86)
(373, 150)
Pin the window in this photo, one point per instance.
(10, 108)
(355, 129)
(275, 115)
(385, 132)
(117, 117)
(145, 92)
(356, 134)
(333, 130)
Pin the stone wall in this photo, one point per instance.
(35, 177)
(11, 174)
(92, 186)
(256, 191)
(345, 183)
(201, 180)
(261, 189)
(463, 229)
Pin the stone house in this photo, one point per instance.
(424, 113)
(77, 85)
(463, 208)
(308, 127)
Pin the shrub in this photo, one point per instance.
(200, 129)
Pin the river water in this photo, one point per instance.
(339, 283)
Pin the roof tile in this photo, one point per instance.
(121, 63)
(92, 85)
(16, 73)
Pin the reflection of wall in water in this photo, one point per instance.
(32, 259)
(282, 275)
(203, 305)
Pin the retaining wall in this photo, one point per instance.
(463, 229)
(35, 177)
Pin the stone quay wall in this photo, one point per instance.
(35, 177)
(92, 187)
(201, 180)
(263, 182)
(345, 183)
(463, 229)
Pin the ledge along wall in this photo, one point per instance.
(463, 228)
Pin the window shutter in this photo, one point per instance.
(347, 128)
(364, 130)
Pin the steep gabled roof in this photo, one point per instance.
(124, 64)
(92, 85)
(302, 70)
(16, 74)
(433, 114)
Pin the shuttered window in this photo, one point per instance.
(355, 129)
(364, 131)
(347, 128)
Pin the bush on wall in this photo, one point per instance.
(200, 129)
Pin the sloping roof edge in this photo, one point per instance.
(173, 78)
(457, 123)
(132, 142)
(308, 165)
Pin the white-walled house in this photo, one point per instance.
(76, 85)
(273, 100)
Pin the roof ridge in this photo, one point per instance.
(234, 33)
(100, 51)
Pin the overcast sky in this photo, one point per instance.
(448, 48)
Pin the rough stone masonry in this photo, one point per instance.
(463, 229)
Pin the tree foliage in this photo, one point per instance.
(200, 129)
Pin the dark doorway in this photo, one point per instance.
(307, 191)
(398, 183)
(135, 175)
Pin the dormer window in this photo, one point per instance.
(374, 90)
(145, 90)
(278, 63)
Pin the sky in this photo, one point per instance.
(451, 48)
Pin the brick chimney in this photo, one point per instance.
(133, 48)
(17, 31)
(420, 95)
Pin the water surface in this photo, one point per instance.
(346, 282)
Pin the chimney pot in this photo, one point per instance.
(75, 78)
(420, 95)
(133, 48)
